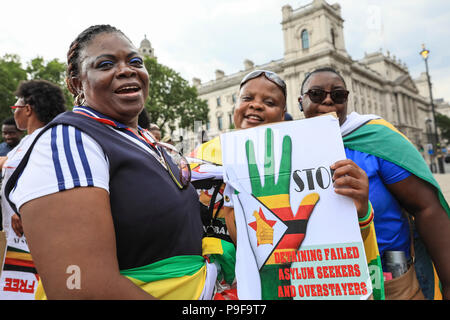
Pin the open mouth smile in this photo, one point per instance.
(253, 118)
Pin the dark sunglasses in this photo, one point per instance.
(272, 76)
(182, 178)
(318, 95)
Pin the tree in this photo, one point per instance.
(443, 123)
(172, 101)
(11, 73)
(53, 71)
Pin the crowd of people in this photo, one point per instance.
(99, 188)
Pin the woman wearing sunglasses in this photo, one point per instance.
(399, 180)
(106, 212)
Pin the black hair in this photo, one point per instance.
(324, 69)
(46, 98)
(10, 122)
(144, 119)
(73, 55)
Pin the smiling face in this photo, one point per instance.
(11, 135)
(327, 81)
(113, 77)
(260, 102)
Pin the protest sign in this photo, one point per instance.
(19, 278)
(296, 238)
(2, 249)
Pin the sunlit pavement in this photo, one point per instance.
(444, 181)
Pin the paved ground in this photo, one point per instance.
(444, 182)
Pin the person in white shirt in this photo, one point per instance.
(39, 101)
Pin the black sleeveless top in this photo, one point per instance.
(153, 218)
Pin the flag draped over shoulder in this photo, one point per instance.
(374, 135)
(381, 139)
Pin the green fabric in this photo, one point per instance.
(227, 261)
(173, 267)
(383, 142)
(376, 276)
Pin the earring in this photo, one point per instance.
(300, 104)
(80, 99)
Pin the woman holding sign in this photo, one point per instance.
(262, 100)
(399, 179)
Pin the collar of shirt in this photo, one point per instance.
(142, 137)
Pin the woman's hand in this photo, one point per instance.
(16, 224)
(351, 181)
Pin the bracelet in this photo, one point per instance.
(367, 219)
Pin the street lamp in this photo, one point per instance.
(424, 53)
(430, 146)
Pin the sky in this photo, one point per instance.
(197, 37)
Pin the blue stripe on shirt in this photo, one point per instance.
(69, 157)
(84, 161)
(56, 163)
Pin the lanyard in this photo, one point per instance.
(95, 115)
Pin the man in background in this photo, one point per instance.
(11, 136)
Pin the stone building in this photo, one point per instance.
(313, 37)
(146, 49)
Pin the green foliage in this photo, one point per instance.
(443, 123)
(53, 71)
(172, 101)
(11, 73)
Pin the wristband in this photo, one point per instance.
(365, 221)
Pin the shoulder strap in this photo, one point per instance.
(12, 181)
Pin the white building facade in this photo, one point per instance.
(314, 38)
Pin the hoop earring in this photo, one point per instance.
(80, 99)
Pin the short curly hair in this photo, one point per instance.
(46, 99)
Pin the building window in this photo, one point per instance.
(219, 102)
(233, 98)
(333, 38)
(219, 123)
(305, 39)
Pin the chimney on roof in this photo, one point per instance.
(197, 82)
(248, 64)
(219, 74)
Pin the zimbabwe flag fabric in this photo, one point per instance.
(187, 277)
(374, 135)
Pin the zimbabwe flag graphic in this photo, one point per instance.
(18, 260)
